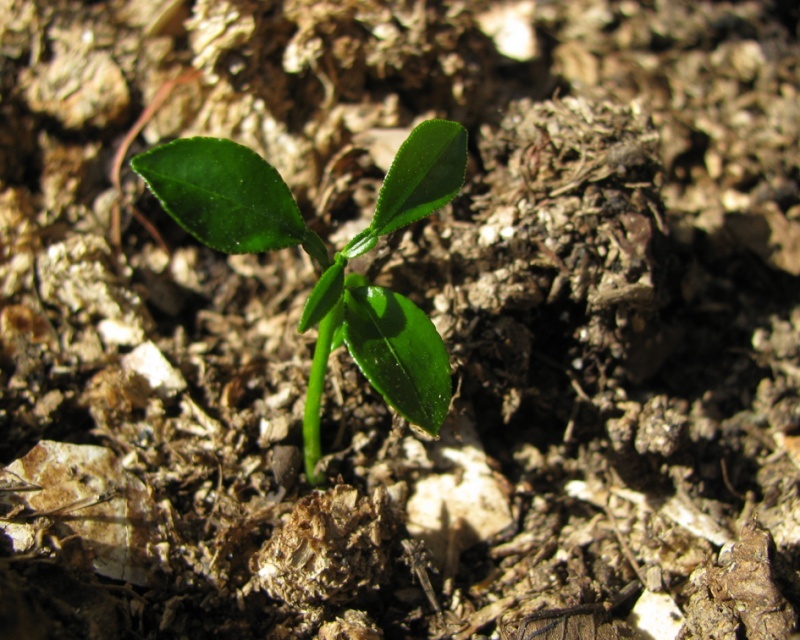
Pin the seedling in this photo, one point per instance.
(232, 200)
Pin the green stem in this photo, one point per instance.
(312, 442)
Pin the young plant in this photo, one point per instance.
(232, 200)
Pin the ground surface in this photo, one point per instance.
(617, 286)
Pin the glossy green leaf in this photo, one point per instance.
(355, 280)
(338, 337)
(351, 281)
(426, 174)
(360, 244)
(224, 194)
(326, 293)
(400, 352)
(338, 321)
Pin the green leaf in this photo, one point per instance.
(338, 337)
(224, 194)
(355, 280)
(351, 281)
(326, 293)
(426, 174)
(400, 352)
(361, 243)
(315, 247)
(338, 321)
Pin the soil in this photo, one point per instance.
(618, 285)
